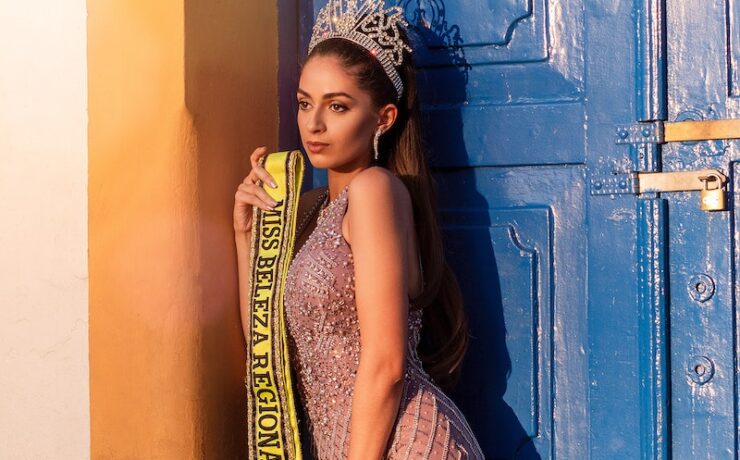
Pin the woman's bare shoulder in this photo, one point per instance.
(377, 185)
(378, 199)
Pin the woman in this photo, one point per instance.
(371, 271)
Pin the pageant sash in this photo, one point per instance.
(272, 419)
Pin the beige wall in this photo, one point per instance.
(180, 93)
(124, 130)
(43, 241)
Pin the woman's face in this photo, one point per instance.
(332, 110)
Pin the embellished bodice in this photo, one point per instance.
(323, 329)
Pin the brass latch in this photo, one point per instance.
(710, 182)
(660, 132)
(702, 130)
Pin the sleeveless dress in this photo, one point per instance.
(324, 345)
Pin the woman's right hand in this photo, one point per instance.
(250, 193)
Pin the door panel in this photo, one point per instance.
(506, 252)
(702, 85)
(502, 90)
(488, 65)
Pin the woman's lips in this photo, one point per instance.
(315, 147)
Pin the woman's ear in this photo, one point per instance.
(387, 116)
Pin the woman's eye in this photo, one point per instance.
(300, 104)
(341, 107)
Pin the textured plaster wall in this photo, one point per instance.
(181, 91)
(44, 408)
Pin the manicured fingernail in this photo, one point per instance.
(274, 185)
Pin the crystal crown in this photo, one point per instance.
(371, 25)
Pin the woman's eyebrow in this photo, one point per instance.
(328, 95)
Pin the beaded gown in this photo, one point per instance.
(324, 343)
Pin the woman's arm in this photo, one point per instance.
(377, 233)
(244, 267)
(243, 239)
(249, 194)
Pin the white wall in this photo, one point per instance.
(44, 404)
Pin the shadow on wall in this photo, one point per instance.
(487, 366)
(231, 94)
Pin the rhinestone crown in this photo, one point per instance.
(371, 25)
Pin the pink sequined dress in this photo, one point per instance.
(324, 341)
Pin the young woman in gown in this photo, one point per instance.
(369, 376)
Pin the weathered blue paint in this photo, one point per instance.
(593, 333)
(653, 335)
(652, 259)
(702, 84)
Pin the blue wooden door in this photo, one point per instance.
(593, 333)
(703, 83)
(514, 100)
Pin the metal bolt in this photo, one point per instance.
(700, 369)
(701, 287)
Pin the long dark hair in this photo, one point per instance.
(444, 339)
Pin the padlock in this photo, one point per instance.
(713, 199)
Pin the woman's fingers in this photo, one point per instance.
(248, 198)
(258, 170)
(256, 195)
(250, 193)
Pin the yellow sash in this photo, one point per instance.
(271, 421)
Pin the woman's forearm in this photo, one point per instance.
(244, 267)
(375, 404)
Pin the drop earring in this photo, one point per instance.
(375, 143)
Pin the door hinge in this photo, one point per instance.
(615, 184)
(649, 132)
(660, 132)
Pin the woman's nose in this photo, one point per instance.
(315, 122)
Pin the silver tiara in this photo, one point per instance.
(371, 26)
